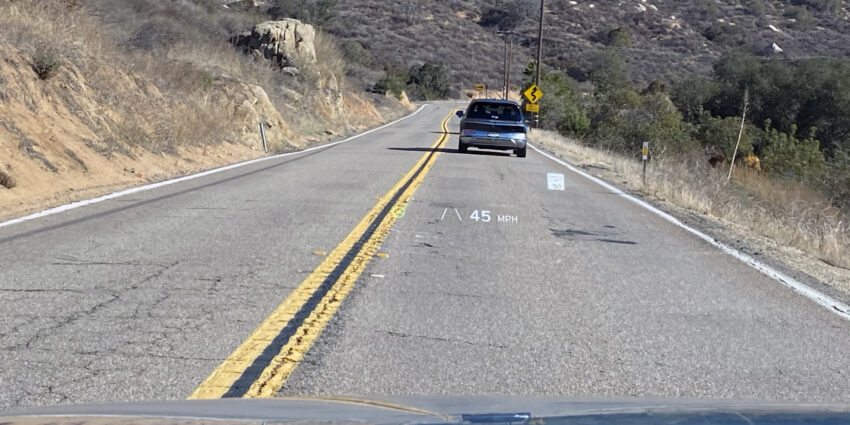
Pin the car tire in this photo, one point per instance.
(462, 148)
(520, 152)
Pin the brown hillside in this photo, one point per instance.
(668, 38)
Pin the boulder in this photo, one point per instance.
(287, 42)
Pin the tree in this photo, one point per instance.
(429, 81)
(562, 110)
(609, 71)
(692, 95)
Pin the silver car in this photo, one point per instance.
(493, 124)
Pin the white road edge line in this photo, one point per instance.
(824, 300)
(152, 186)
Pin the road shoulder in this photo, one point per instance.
(797, 264)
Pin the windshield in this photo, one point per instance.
(206, 201)
(494, 111)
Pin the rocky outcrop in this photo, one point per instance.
(248, 105)
(287, 42)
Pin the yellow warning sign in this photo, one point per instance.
(533, 94)
(532, 107)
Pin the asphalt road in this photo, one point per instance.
(572, 293)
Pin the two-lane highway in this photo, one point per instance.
(473, 277)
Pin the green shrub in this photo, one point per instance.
(391, 83)
(355, 53)
(45, 63)
(618, 37)
(609, 71)
(756, 7)
(692, 95)
(721, 134)
(429, 81)
(786, 155)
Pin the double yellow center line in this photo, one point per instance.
(262, 363)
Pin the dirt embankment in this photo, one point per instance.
(76, 134)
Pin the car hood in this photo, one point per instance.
(432, 410)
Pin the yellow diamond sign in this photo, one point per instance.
(533, 94)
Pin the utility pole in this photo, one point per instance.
(505, 84)
(539, 56)
(509, 51)
(510, 63)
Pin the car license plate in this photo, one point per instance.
(494, 135)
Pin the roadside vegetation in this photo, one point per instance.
(182, 48)
(790, 173)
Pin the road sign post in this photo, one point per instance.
(645, 157)
(480, 88)
(533, 96)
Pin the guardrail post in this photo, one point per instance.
(263, 134)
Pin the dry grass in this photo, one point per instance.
(54, 25)
(330, 59)
(787, 212)
(183, 74)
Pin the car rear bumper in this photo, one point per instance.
(493, 142)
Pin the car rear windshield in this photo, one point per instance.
(494, 111)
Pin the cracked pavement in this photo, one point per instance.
(141, 297)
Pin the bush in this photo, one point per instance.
(801, 16)
(836, 179)
(391, 83)
(691, 96)
(356, 54)
(315, 12)
(726, 34)
(428, 82)
(609, 71)
(786, 155)
(756, 7)
(507, 14)
(617, 37)
(45, 63)
(329, 58)
(721, 134)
